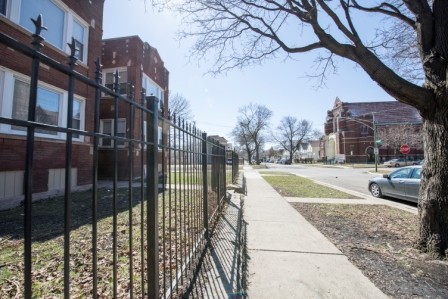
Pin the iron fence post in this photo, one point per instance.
(115, 187)
(28, 176)
(205, 184)
(96, 128)
(68, 168)
(152, 198)
(130, 188)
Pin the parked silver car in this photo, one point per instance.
(403, 183)
(396, 162)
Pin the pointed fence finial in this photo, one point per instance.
(73, 50)
(116, 77)
(37, 37)
(98, 70)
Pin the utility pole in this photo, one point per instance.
(375, 145)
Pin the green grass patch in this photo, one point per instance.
(295, 186)
(275, 173)
(180, 222)
(260, 166)
(185, 177)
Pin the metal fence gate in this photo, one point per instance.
(134, 237)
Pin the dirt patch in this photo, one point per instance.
(379, 241)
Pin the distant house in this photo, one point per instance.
(307, 151)
(350, 130)
(139, 64)
(223, 141)
(82, 21)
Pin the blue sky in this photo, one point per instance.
(280, 85)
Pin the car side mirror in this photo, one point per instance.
(386, 176)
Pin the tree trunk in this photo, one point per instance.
(249, 154)
(433, 197)
(257, 153)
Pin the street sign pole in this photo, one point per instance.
(375, 146)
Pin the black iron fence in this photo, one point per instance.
(137, 233)
(234, 163)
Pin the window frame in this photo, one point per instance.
(7, 81)
(4, 8)
(159, 133)
(13, 12)
(364, 130)
(80, 54)
(112, 72)
(112, 121)
(48, 88)
(2, 84)
(156, 89)
(82, 118)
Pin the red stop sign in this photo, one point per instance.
(405, 149)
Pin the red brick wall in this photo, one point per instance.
(130, 52)
(47, 155)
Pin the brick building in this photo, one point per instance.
(139, 64)
(65, 19)
(350, 134)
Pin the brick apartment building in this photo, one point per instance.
(65, 19)
(138, 64)
(349, 130)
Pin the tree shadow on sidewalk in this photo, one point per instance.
(223, 273)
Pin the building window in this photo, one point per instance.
(53, 17)
(78, 36)
(160, 137)
(62, 24)
(3, 7)
(159, 133)
(151, 88)
(2, 80)
(51, 106)
(122, 81)
(47, 108)
(107, 128)
(364, 130)
(77, 114)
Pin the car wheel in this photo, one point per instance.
(397, 165)
(375, 190)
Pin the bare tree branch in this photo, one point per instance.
(291, 133)
(252, 122)
(178, 105)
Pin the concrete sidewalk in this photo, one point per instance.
(288, 257)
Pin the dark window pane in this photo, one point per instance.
(80, 50)
(47, 110)
(20, 104)
(3, 7)
(76, 122)
(54, 19)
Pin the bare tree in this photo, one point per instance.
(291, 133)
(252, 122)
(244, 140)
(180, 106)
(393, 136)
(240, 33)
